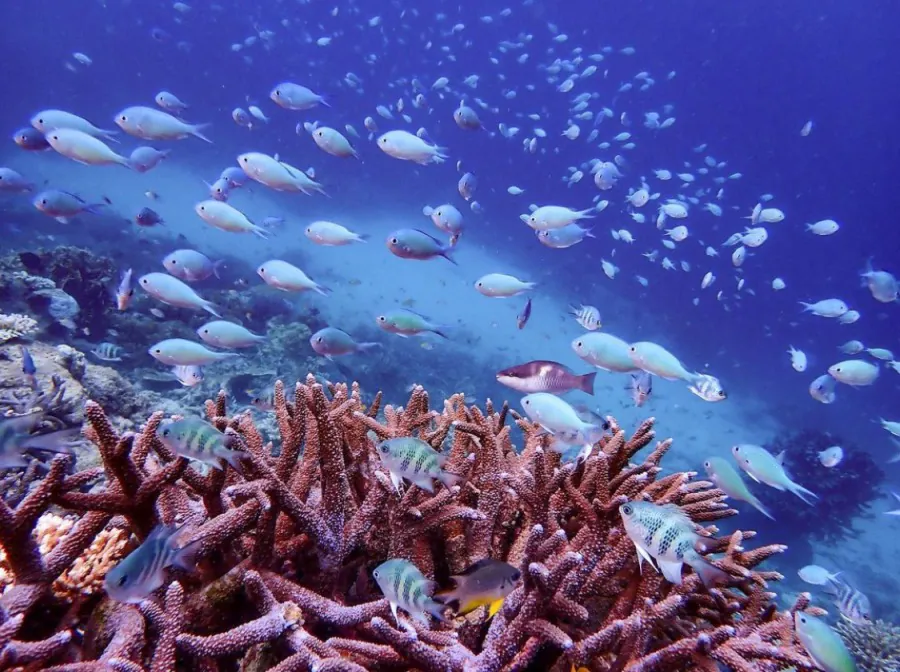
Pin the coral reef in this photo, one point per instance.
(15, 326)
(845, 492)
(287, 546)
(875, 646)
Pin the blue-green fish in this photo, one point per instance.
(763, 467)
(196, 439)
(416, 244)
(224, 334)
(404, 586)
(407, 457)
(330, 342)
(823, 644)
(143, 570)
(408, 323)
(181, 352)
(172, 291)
(727, 479)
(666, 534)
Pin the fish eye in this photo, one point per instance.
(384, 141)
(123, 118)
(40, 121)
(144, 281)
(382, 318)
(157, 351)
(376, 573)
(394, 241)
(166, 432)
(706, 464)
(122, 580)
(277, 92)
(480, 284)
(262, 269)
(802, 619)
(516, 575)
(579, 344)
(628, 509)
(245, 160)
(206, 331)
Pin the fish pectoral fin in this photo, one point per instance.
(394, 612)
(671, 569)
(643, 555)
(397, 482)
(753, 477)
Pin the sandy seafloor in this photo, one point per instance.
(367, 279)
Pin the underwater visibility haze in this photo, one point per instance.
(352, 336)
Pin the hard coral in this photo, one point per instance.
(845, 492)
(15, 326)
(875, 646)
(287, 547)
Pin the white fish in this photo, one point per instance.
(831, 457)
(826, 307)
(555, 217)
(277, 175)
(587, 316)
(288, 278)
(855, 372)
(228, 218)
(152, 124)
(824, 227)
(816, 575)
(798, 359)
(660, 362)
(408, 147)
(84, 148)
(500, 285)
(822, 389)
(48, 120)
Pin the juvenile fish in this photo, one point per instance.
(587, 316)
(728, 480)
(143, 570)
(125, 291)
(853, 604)
(109, 352)
(525, 315)
(16, 439)
(404, 586)
(196, 439)
(485, 582)
(763, 467)
(641, 387)
(407, 457)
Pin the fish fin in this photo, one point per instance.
(233, 458)
(494, 607)
(425, 483)
(324, 291)
(368, 345)
(449, 480)
(262, 233)
(185, 558)
(436, 609)
(216, 266)
(197, 132)
(800, 491)
(586, 382)
(780, 458)
(758, 505)
(709, 574)
(671, 569)
(446, 255)
(643, 555)
(394, 612)
(210, 308)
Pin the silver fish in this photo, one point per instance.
(143, 570)
(853, 604)
(708, 388)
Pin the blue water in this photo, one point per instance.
(749, 75)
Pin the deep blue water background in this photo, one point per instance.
(749, 75)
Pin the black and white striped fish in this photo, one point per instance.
(853, 604)
(404, 586)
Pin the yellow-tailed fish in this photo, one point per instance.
(486, 582)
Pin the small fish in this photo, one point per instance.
(16, 439)
(545, 376)
(831, 457)
(407, 457)
(125, 291)
(816, 575)
(142, 571)
(416, 244)
(265, 401)
(763, 467)
(196, 439)
(823, 644)
(485, 582)
(727, 479)
(109, 352)
(188, 375)
(641, 387)
(853, 604)
(666, 534)
(182, 352)
(330, 342)
(587, 316)
(148, 217)
(822, 389)
(708, 388)
(405, 323)
(28, 367)
(404, 586)
(524, 316)
(467, 186)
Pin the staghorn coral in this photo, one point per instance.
(287, 548)
(875, 646)
(15, 326)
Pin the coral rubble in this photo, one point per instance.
(287, 547)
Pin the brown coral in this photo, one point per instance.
(287, 548)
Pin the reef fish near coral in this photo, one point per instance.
(412, 459)
(404, 586)
(666, 534)
(486, 582)
(143, 570)
(198, 440)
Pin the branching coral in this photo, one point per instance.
(14, 325)
(286, 550)
(875, 646)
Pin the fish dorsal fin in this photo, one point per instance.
(475, 566)
(425, 233)
(780, 458)
(676, 510)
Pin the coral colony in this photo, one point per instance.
(282, 552)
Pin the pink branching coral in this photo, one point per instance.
(287, 548)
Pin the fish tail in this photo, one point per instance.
(436, 609)
(586, 382)
(197, 132)
(587, 213)
(216, 266)
(449, 480)
(262, 233)
(758, 505)
(363, 237)
(210, 308)
(320, 289)
(110, 135)
(449, 598)
(709, 574)
(799, 490)
(362, 347)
